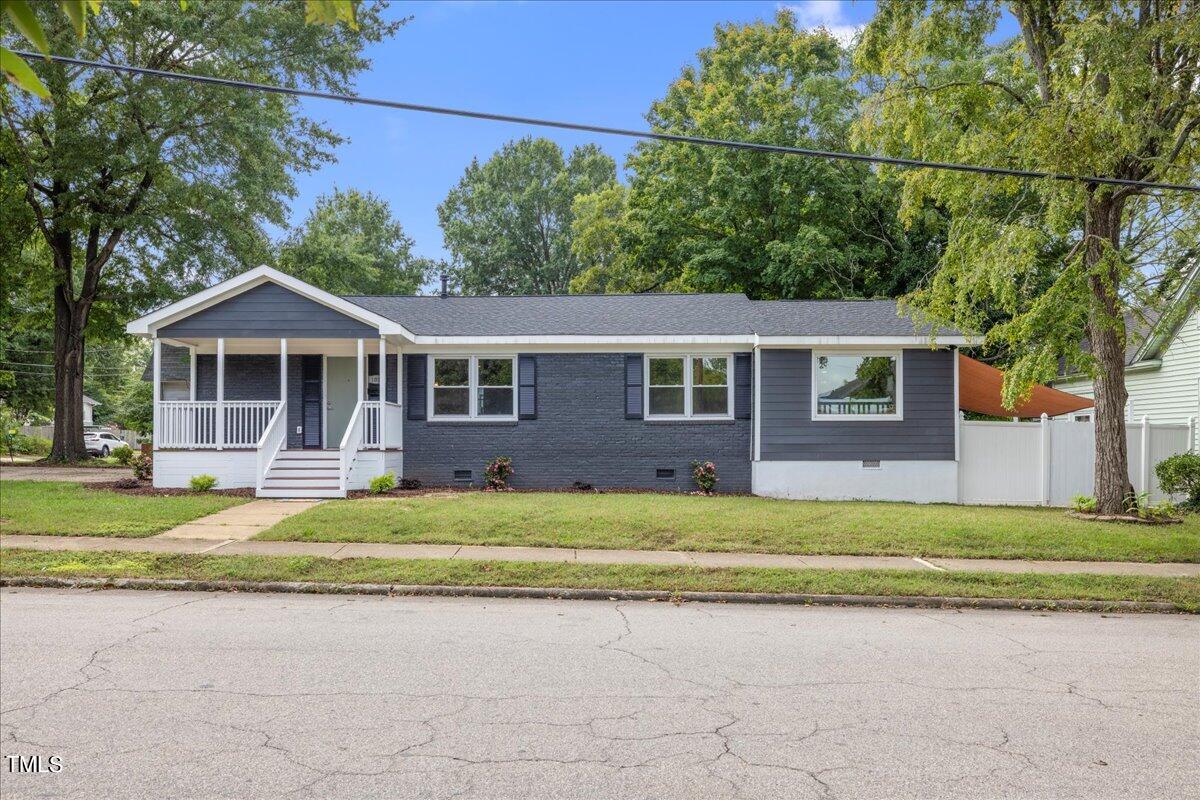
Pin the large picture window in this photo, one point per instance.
(683, 387)
(857, 386)
(473, 387)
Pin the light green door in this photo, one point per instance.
(341, 396)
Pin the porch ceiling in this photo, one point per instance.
(329, 347)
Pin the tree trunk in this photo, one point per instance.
(1106, 330)
(70, 318)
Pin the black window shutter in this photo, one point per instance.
(633, 386)
(526, 387)
(414, 368)
(743, 385)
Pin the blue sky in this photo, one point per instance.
(600, 62)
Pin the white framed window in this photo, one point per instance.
(688, 386)
(859, 385)
(1081, 416)
(473, 387)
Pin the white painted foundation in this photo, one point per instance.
(370, 464)
(233, 469)
(905, 481)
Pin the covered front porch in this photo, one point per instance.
(295, 417)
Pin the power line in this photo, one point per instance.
(636, 134)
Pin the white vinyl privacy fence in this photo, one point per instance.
(1051, 461)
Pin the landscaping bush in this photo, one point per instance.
(203, 483)
(123, 454)
(410, 483)
(1083, 504)
(127, 483)
(1180, 474)
(383, 483)
(704, 473)
(497, 473)
(581, 486)
(143, 466)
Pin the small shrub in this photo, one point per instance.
(1083, 504)
(497, 472)
(581, 486)
(143, 466)
(127, 483)
(704, 473)
(410, 484)
(35, 445)
(203, 483)
(383, 483)
(123, 454)
(1180, 474)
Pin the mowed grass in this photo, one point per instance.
(1183, 593)
(731, 524)
(61, 508)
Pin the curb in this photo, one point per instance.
(760, 598)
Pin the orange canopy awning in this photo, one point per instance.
(979, 391)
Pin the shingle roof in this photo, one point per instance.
(637, 315)
(567, 315)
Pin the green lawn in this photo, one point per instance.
(61, 508)
(686, 522)
(1184, 593)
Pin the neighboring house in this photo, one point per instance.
(89, 406)
(1162, 372)
(789, 398)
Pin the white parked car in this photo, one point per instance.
(101, 443)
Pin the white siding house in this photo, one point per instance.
(1163, 374)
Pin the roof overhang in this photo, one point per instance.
(150, 323)
(863, 341)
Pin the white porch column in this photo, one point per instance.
(382, 391)
(220, 394)
(157, 390)
(361, 371)
(283, 386)
(192, 374)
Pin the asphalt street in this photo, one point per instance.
(154, 695)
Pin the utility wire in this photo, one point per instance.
(636, 134)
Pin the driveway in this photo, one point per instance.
(230, 695)
(76, 474)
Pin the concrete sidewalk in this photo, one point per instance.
(233, 546)
(238, 523)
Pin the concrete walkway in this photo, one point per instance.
(164, 543)
(238, 523)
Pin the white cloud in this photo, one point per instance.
(828, 14)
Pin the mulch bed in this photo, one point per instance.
(1131, 518)
(360, 494)
(145, 488)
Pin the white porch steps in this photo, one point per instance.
(303, 473)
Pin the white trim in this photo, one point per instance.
(472, 414)
(220, 394)
(146, 325)
(687, 414)
(192, 374)
(865, 341)
(324, 402)
(757, 447)
(898, 355)
(283, 388)
(361, 373)
(382, 393)
(157, 396)
(957, 411)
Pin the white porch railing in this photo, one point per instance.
(392, 418)
(352, 442)
(182, 424)
(271, 440)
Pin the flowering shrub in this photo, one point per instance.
(704, 473)
(497, 473)
(143, 466)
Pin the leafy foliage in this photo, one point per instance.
(496, 474)
(383, 483)
(1084, 504)
(351, 244)
(1180, 474)
(508, 222)
(202, 483)
(123, 454)
(143, 466)
(704, 473)
(715, 219)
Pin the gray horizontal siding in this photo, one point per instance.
(269, 311)
(581, 434)
(925, 434)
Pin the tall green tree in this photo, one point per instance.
(715, 219)
(507, 223)
(351, 244)
(1104, 89)
(142, 188)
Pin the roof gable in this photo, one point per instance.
(267, 310)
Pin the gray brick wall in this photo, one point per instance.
(581, 434)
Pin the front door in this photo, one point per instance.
(341, 373)
(310, 400)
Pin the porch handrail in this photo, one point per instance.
(393, 430)
(270, 442)
(351, 442)
(208, 424)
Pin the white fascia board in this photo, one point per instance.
(863, 341)
(474, 341)
(148, 324)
